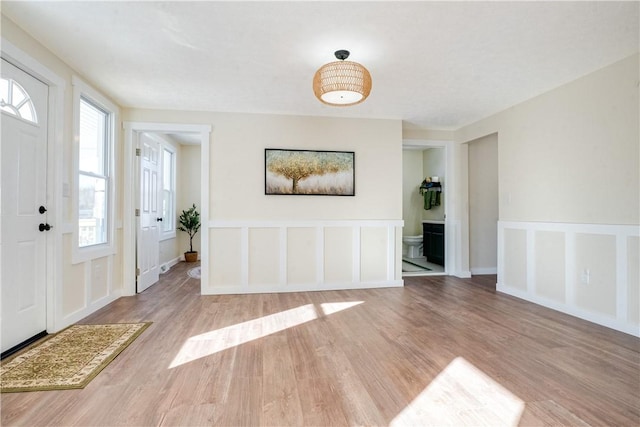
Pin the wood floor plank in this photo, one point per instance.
(549, 413)
(440, 350)
(244, 404)
(281, 397)
(351, 391)
(319, 407)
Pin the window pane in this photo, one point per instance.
(26, 112)
(93, 137)
(92, 211)
(167, 211)
(18, 94)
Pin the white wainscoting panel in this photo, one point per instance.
(584, 270)
(97, 286)
(291, 256)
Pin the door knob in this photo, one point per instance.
(42, 209)
(158, 219)
(44, 227)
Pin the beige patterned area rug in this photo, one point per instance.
(69, 359)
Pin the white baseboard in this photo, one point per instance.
(569, 281)
(484, 270)
(600, 319)
(463, 274)
(78, 315)
(260, 289)
(167, 265)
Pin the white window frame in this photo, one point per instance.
(82, 90)
(171, 234)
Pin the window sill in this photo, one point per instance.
(90, 253)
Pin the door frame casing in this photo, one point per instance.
(130, 194)
(423, 144)
(54, 187)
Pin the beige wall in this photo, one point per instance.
(169, 250)
(412, 204)
(515, 259)
(237, 163)
(550, 266)
(483, 205)
(572, 154)
(189, 192)
(414, 132)
(595, 256)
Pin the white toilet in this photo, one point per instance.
(414, 246)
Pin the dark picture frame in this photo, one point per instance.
(309, 172)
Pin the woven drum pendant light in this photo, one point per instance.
(342, 83)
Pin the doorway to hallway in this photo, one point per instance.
(168, 242)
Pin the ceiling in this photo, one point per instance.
(185, 138)
(439, 65)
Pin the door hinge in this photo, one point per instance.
(137, 212)
(137, 271)
(138, 152)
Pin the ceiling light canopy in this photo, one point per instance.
(342, 83)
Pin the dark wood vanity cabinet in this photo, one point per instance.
(433, 242)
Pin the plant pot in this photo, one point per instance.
(191, 256)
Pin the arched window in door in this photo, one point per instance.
(16, 101)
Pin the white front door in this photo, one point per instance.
(24, 172)
(150, 213)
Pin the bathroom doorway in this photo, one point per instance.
(424, 206)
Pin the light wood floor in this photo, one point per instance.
(440, 351)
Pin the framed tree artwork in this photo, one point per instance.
(309, 172)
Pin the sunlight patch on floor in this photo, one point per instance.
(462, 395)
(334, 307)
(212, 342)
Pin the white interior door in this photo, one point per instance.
(22, 244)
(150, 213)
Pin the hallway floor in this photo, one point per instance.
(416, 265)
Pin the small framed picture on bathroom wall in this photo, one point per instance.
(309, 172)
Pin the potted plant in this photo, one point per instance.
(190, 223)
